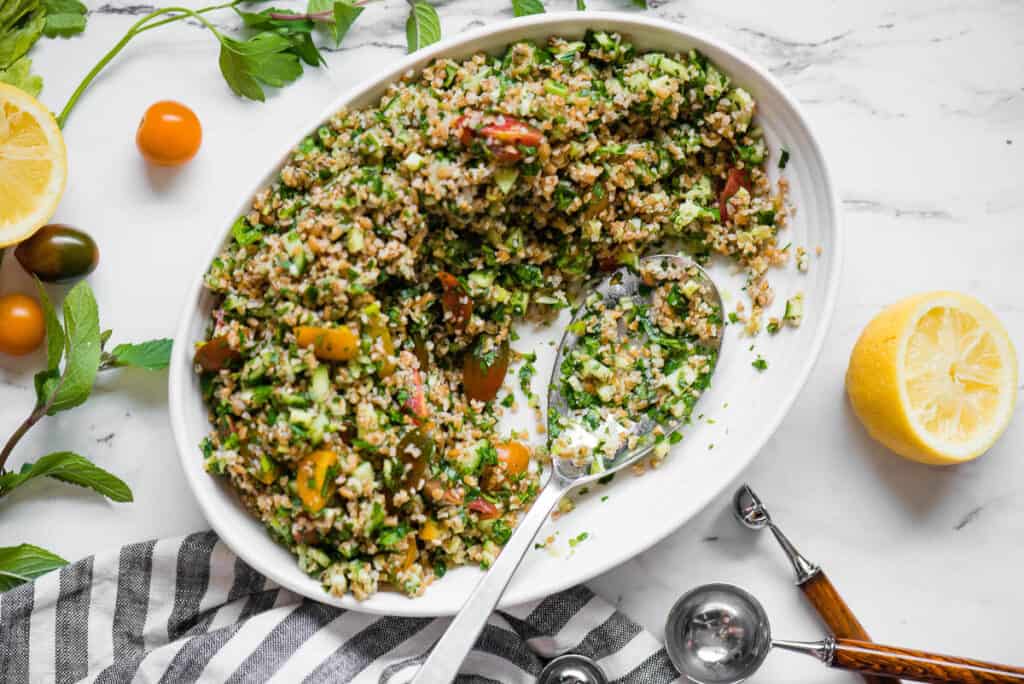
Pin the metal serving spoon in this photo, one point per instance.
(444, 661)
(719, 634)
(810, 578)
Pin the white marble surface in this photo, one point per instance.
(920, 107)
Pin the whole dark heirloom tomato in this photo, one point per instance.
(58, 254)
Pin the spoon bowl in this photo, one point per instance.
(717, 634)
(622, 284)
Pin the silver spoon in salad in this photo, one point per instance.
(639, 351)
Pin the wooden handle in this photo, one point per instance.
(918, 666)
(835, 613)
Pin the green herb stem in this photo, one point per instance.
(18, 434)
(136, 28)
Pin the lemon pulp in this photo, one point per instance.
(32, 165)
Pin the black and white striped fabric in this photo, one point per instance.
(188, 610)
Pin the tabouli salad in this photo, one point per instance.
(365, 306)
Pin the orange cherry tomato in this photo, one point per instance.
(21, 324)
(169, 134)
(515, 456)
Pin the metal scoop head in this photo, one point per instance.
(717, 634)
(748, 509)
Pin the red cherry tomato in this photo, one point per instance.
(169, 134)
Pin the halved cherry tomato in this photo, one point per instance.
(420, 350)
(737, 178)
(464, 132)
(484, 508)
(329, 344)
(311, 479)
(512, 132)
(216, 354)
(415, 450)
(378, 329)
(515, 456)
(412, 553)
(480, 382)
(430, 531)
(455, 300)
(21, 324)
(416, 404)
(169, 134)
(503, 136)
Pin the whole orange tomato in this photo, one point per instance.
(169, 134)
(21, 324)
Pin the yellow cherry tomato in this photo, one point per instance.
(169, 134)
(515, 456)
(311, 478)
(21, 324)
(329, 344)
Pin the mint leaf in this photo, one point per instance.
(20, 76)
(82, 349)
(522, 8)
(345, 14)
(151, 355)
(581, 5)
(73, 469)
(20, 564)
(64, 18)
(54, 331)
(423, 26)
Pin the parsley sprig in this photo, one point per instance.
(276, 46)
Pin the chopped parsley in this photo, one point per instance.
(784, 158)
(760, 364)
(578, 539)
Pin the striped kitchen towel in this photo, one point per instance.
(187, 610)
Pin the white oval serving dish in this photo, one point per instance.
(747, 406)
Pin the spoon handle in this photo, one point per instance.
(445, 660)
(822, 594)
(918, 666)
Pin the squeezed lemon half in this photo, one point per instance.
(934, 378)
(33, 165)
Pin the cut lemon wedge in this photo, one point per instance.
(934, 378)
(33, 165)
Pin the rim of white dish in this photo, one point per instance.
(646, 536)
